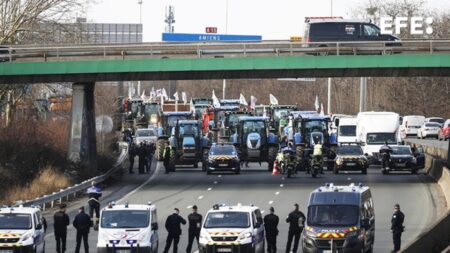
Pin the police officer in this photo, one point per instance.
(385, 152)
(82, 223)
(271, 226)
(142, 157)
(296, 221)
(131, 156)
(94, 194)
(195, 223)
(307, 151)
(150, 149)
(397, 227)
(60, 222)
(173, 228)
(166, 157)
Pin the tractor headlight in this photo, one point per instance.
(414, 160)
(339, 161)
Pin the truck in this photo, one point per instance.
(373, 129)
(187, 143)
(168, 120)
(346, 130)
(254, 141)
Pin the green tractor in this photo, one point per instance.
(279, 117)
(188, 146)
(167, 121)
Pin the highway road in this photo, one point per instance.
(420, 198)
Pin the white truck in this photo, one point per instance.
(374, 128)
(346, 131)
(410, 125)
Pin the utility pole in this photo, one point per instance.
(224, 84)
(362, 94)
(329, 97)
(140, 11)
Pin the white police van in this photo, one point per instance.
(232, 229)
(22, 229)
(128, 228)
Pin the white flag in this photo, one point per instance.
(321, 110)
(242, 100)
(158, 92)
(192, 106)
(184, 97)
(216, 101)
(273, 100)
(164, 94)
(153, 93)
(253, 101)
(175, 95)
(143, 94)
(264, 112)
(316, 104)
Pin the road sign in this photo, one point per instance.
(211, 29)
(192, 37)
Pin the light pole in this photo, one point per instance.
(224, 84)
(140, 11)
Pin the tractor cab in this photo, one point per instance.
(167, 122)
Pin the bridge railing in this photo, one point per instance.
(218, 49)
(77, 188)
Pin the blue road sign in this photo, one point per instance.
(192, 37)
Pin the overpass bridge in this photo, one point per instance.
(84, 65)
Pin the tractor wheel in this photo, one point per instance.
(172, 161)
(299, 156)
(272, 156)
(160, 149)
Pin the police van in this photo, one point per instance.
(128, 228)
(22, 229)
(339, 219)
(232, 229)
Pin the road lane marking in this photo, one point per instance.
(263, 211)
(200, 197)
(349, 178)
(215, 182)
(219, 175)
(276, 193)
(189, 207)
(140, 186)
(209, 189)
(271, 202)
(282, 178)
(281, 185)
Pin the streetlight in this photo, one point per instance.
(140, 11)
(224, 83)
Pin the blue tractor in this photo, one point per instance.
(167, 121)
(254, 141)
(187, 144)
(308, 127)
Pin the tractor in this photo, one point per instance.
(254, 142)
(306, 128)
(231, 122)
(188, 146)
(278, 117)
(199, 106)
(167, 121)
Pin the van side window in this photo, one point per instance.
(154, 218)
(258, 216)
(254, 219)
(370, 30)
(36, 219)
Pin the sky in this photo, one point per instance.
(273, 19)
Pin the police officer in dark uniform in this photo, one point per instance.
(94, 194)
(142, 157)
(397, 227)
(296, 221)
(82, 223)
(271, 226)
(195, 223)
(60, 222)
(166, 157)
(385, 152)
(131, 156)
(173, 228)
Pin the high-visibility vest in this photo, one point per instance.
(317, 149)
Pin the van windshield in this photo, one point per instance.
(380, 138)
(227, 220)
(332, 215)
(15, 221)
(125, 219)
(347, 130)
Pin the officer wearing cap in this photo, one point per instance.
(82, 223)
(60, 222)
(271, 226)
(397, 227)
(195, 223)
(173, 226)
(296, 220)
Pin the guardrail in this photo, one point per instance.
(220, 49)
(75, 189)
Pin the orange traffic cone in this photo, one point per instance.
(275, 168)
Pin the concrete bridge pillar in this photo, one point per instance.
(83, 146)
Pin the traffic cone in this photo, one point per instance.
(275, 168)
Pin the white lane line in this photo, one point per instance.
(209, 189)
(219, 175)
(263, 211)
(200, 197)
(215, 182)
(349, 178)
(140, 186)
(271, 202)
(277, 193)
(281, 185)
(282, 178)
(189, 207)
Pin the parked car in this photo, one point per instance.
(429, 130)
(435, 120)
(444, 132)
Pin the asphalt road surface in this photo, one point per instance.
(421, 199)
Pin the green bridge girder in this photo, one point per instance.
(229, 68)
